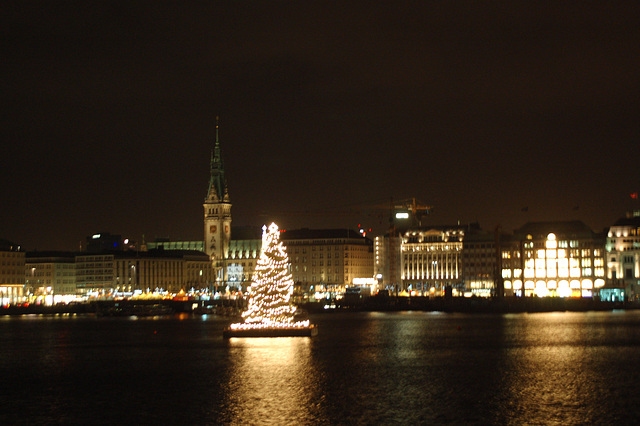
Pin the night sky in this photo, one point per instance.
(328, 110)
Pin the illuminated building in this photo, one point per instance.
(322, 260)
(564, 259)
(51, 276)
(234, 251)
(431, 259)
(95, 274)
(217, 213)
(130, 273)
(12, 267)
(386, 261)
(217, 243)
(623, 259)
(244, 251)
(389, 268)
(328, 260)
(479, 263)
(166, 244)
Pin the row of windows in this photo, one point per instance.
(12, 278)
(16, 263)
(324, 278)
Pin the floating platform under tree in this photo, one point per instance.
(308, 331)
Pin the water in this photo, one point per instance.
(363, 368)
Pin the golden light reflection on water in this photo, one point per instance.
(553, 375)
(270, 381)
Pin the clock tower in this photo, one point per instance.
(217, 212)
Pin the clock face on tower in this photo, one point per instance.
(212, 229)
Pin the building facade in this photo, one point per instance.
(558, 259)
(623, 259)
(328, 260)
(241, 260)
(321, 260)
(387, 261)
(431, 259)
(217, 213)
(51, 276)
(480, 271)
(12, 267)
(131, 273)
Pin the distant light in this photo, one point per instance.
(364, 281)
(126, 241)
(96, 236)
(402, 215)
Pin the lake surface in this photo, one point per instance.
(362, 368)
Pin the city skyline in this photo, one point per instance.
(501, 115)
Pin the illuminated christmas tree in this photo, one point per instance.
(269, 306)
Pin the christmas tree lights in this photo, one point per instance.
(269, 295)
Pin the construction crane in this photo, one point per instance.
(410, 209)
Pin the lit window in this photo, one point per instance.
(551, 242)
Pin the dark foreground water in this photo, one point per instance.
(363, 368)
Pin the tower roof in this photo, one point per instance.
(217, 183)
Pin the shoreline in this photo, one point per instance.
(370, 304)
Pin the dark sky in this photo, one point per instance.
(331, 108)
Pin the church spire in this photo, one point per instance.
(217, 183)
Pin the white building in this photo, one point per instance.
(431, 259)
(51, 276)
(623, 258)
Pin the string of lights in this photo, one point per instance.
(269, 295)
